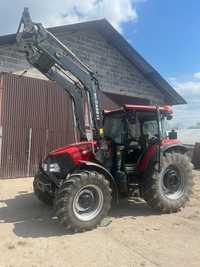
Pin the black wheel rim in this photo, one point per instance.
(173, 183)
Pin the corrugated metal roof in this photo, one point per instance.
(117, 41)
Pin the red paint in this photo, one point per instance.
(165, 109)
(83, 152)
(78, 152)
(151, 152)
(145, 160)
(148, 108)
(168, 141)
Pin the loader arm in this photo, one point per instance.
(57, 62)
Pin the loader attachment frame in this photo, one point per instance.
(58, 63)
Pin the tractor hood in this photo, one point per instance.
(61, 161)
(77, 146)
(78, 152)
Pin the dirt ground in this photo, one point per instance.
(30, 234)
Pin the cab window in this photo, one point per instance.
(150, 128)
(114, 126)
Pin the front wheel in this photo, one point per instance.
(44, 197)
(169, 190)
(83, 201)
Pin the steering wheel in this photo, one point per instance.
(154, 140)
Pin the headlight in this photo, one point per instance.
(54, 167)
(44, 166)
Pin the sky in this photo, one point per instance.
(165, 33)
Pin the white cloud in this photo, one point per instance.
(196, 75)
(191, 87)
(188, 87)
(60, 12)
(187, 115)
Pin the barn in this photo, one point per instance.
(36, 115)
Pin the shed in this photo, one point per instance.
(36, 115)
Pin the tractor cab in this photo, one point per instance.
(132, 124)
(136, 122)
(135, 133)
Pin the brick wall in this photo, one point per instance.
(116, 74)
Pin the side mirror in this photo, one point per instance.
(169, 117)
(173, 135)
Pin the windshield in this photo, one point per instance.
(114, 127)
(150, 127)
(145, 123)
(164, 127)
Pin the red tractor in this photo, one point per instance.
(127, 154)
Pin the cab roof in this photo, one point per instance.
(145, 108)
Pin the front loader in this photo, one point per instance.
(127, 152)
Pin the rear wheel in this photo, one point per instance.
(83, 201)
(169, 190)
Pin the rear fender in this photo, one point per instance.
(91, 166)
(150, 157)
(174, 148)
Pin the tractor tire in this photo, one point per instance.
(169, 190)
(83, 200)
(44, 197)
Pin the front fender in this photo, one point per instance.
(91, 166)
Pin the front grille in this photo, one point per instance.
(64, 161)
